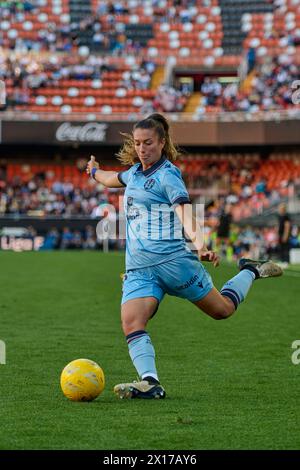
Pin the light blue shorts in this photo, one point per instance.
(183, 276)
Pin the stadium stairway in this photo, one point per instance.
(248, 82)
(79, 11)
(231, 14)
(192, 103)
(157, 77)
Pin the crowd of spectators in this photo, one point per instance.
(105, 21)
(251, 242)
(63, 199)
(65, 238)
(30, 74)
(63, 56)
(86, 239)
(166, 100)
(268, 89)
(248, 241)
(246, 181)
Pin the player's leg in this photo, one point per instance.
(135, 314)
(216, 305)
(221, 305)
(141, 297)
(186, 277)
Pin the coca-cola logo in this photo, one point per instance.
(90, 132)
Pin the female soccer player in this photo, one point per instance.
(158, 261)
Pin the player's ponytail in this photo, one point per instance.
(161, 119)
(170, 151)
(159, 123)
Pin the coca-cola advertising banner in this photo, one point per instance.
(73, 133)
(63, 132)
(90, 132)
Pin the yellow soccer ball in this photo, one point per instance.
(82, 380)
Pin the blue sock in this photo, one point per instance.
(142, 354)
(237, 288)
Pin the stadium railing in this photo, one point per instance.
(280, 115)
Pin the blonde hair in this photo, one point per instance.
(127, 155)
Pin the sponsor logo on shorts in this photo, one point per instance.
(189, 283)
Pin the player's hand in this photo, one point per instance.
(209, 256)
(92, 164)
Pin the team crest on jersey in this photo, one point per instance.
(130, 201)
(149, 184)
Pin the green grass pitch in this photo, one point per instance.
(230, 384)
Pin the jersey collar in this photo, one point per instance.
(153, 168)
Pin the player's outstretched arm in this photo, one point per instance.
(107, 178)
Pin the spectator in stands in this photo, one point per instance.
(51, 241)
(168, 99)
(224, 227)
(261, 186)
(294, 240)
(66, 239)
(284, 232)
(77, 240)
(90, 242)
(251, 59)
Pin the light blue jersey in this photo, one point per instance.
(153, 230)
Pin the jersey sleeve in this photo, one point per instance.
(174, 188)
(123, 176)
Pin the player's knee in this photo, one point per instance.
(130, 325)
(221, 315)
(224, 312)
